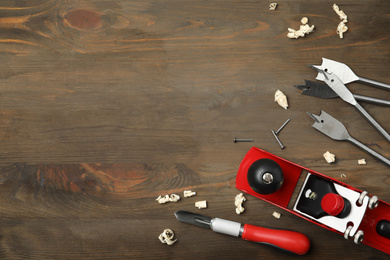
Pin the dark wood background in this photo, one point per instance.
(104, 105)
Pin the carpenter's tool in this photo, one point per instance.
(322, 90)
(277, 139)
(280, 128)
(345, 74)
(284, 239)
(237, 140)
(337, 86)
(275, 134)
(322, 200)
(333, 128)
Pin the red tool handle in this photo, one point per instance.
(287, 240)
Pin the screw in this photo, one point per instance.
(242, 140)
(277, 139)
(310, 194)
(268, 178)
(280, 128)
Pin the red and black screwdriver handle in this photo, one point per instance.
(291, 241)
(287, 240)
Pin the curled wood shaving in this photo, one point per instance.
(303, 29)
(340, 13)
(163, 199)
(168, 198)
(341, 28)
(166, 237)
(174, 198)
(238, 201)
(272, 6)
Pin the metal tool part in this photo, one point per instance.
(278, 131)
(277, 139)
(334, 83)
(345, 74)
(194, 219)
(322, 90)
(333, 128)
(236, 140)
(284, 239)
(355, 216)
(376, 233)
(216, 224)
(280, 128)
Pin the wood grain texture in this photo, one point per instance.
(106, 104)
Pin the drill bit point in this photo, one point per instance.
(316, 67)
(314, 117)
(302, 87)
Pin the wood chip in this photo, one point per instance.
(329, 157)
(276, 215)
(272, 6)
(281, 99)
(188, 193)
(362, 161)
(201, 204)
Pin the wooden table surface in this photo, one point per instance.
(105, 105)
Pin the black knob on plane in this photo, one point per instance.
(265, 176)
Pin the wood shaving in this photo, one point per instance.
(168, 198)
(281, 99)
(272, 6)
(362, 161)
(166, 237)
(163, 199)
(303, 29)
(276, 215)
(341, 28)
(329, 157)
(304, 20)
(340, 13)
(238, 201)
(174, 198)
(188, 193)
(201, 204)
